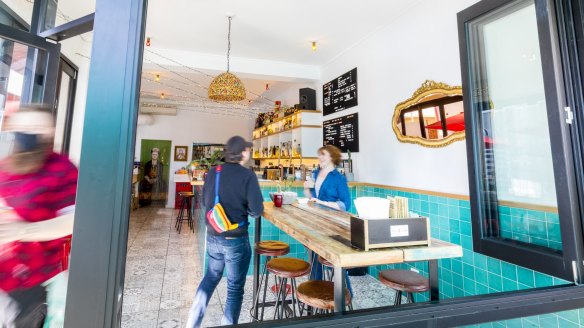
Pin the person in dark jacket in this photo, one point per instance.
(241, 197)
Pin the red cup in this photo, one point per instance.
(278, 200)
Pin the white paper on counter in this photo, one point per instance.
(372, 207)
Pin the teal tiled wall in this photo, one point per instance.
(534, 227)
(474, 273)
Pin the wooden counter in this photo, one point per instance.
(274, 183)
(327, 232)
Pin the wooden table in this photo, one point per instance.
(327, 233)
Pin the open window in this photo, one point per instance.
(521, 173)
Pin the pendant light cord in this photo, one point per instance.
(228, 43)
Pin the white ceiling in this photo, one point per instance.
(266, 29)
(263, 30)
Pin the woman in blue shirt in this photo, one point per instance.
(329, 188)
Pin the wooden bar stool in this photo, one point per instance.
(320, 295)
(285, 268)
(186, 198)
(404, 281)
(328, 273)
(270, 249)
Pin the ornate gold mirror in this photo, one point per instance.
(432, 117)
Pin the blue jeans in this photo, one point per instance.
(235, 254)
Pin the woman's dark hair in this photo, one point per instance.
(334, 151)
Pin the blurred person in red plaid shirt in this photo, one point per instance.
(37, 198)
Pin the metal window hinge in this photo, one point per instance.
(569, 115)
(575, 272)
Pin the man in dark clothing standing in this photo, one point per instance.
(240, 196)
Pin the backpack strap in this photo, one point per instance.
(217, 176)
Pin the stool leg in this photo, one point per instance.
(178, 215)
(410, 297)
(190, 214)
(256, 299)
(265, 291)
(294, 299)
(398, 296)
(280, 290)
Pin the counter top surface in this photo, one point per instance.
(327, 233)
(274, 183)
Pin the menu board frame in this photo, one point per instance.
(338, 140)
(337, 95)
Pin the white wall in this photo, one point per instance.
(392, 63)
(72, 49)
(188, 127)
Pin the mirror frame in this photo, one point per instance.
(429, 87)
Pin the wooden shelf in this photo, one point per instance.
(282, 158)
(288, 130)
(285, 117)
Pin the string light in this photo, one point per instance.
(148, 42)
(162, 95)
(157, 77)
(313, 45)
(261, 97)
(235, 105)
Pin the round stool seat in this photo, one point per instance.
(324, 262)
(288, 267)
(319, 294)
(272, 248)
(186, 194)
(404, 280)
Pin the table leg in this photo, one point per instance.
(340, 285)
(256, 262)
(433, 275)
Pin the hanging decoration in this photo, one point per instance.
(227, 87)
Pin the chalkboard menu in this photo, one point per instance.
(340, 93)
(342, 132)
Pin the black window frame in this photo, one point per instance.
(566, 264)
(68, 68)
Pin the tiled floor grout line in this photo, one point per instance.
(165, 265)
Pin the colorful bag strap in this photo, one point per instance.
(217, 175)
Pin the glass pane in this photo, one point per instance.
(508, 91)
(62, 107)
(16, 13)
(18, 74)
(60, 12)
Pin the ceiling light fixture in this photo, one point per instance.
(226, 86)
(313, 45)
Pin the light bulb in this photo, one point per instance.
(313, 45)
(162, 95)
(148, 42)
(157, 77)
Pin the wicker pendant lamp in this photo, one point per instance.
(227, 87)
